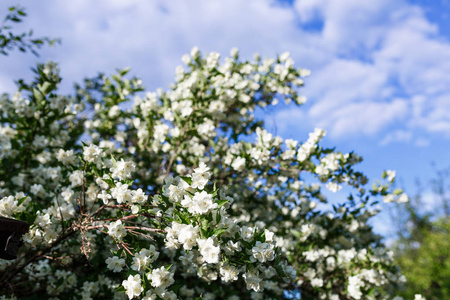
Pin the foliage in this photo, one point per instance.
(183, 193)
(426, 265)
(24, 41)
(422, 250)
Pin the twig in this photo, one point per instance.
(126, 248)
(9, 275)
(145, 229)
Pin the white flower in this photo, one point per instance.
(200, 177)
(161, 278)
(195, 52)
(138, 196)
(123, 169)
(121, 193)
(354, 287)
(247, 233)
(333, 187)
(269, 235)
(133, 286)
(38, 190)
(262, 252)
(8, 206)
(284, 56)
(114, 111)
(91, 153)
(115, 264)
(188, 236)
(212, 60)
(76, 178)
(317, 282)
(206, 129)
(234, 52)
(388, 198)
(134, 209)
(238, 164)
(403, 198)
(104, 196)
(322, 170)
(174, 192)
(253, 281)
(186, 59)
(116, 230)
(390, 175)
(232, 247)
(144, 258)
(201, 203)
(228, 273)
(209, 252)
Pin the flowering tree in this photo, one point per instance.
(182, 194)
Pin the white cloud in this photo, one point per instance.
(342, 82)
(378, 66)
(151, 36)
(349, 25)
(398, 135)
(365, 118)
(389, 49)
(422, 142)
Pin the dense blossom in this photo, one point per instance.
(178, 193)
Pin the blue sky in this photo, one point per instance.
(380, 82)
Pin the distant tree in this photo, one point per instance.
(423, 248)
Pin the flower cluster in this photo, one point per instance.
(119, 188)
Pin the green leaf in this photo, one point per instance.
(46, 87)
(219, 231)
(261, 236)
(183, 218)
(37, 95)
(187, 179)
(221, 203)
(175, 288)
(218, 216)
(203, 233)
(121, 289)
(20, 201)
(280, 271)
(128, 181)
(124, 72)
(117, 78)
(397, 192)
(296, 233)
(146, 281)
(246, 244)
(114, 161)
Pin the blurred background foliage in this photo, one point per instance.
(23, 41)
(422, 249)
